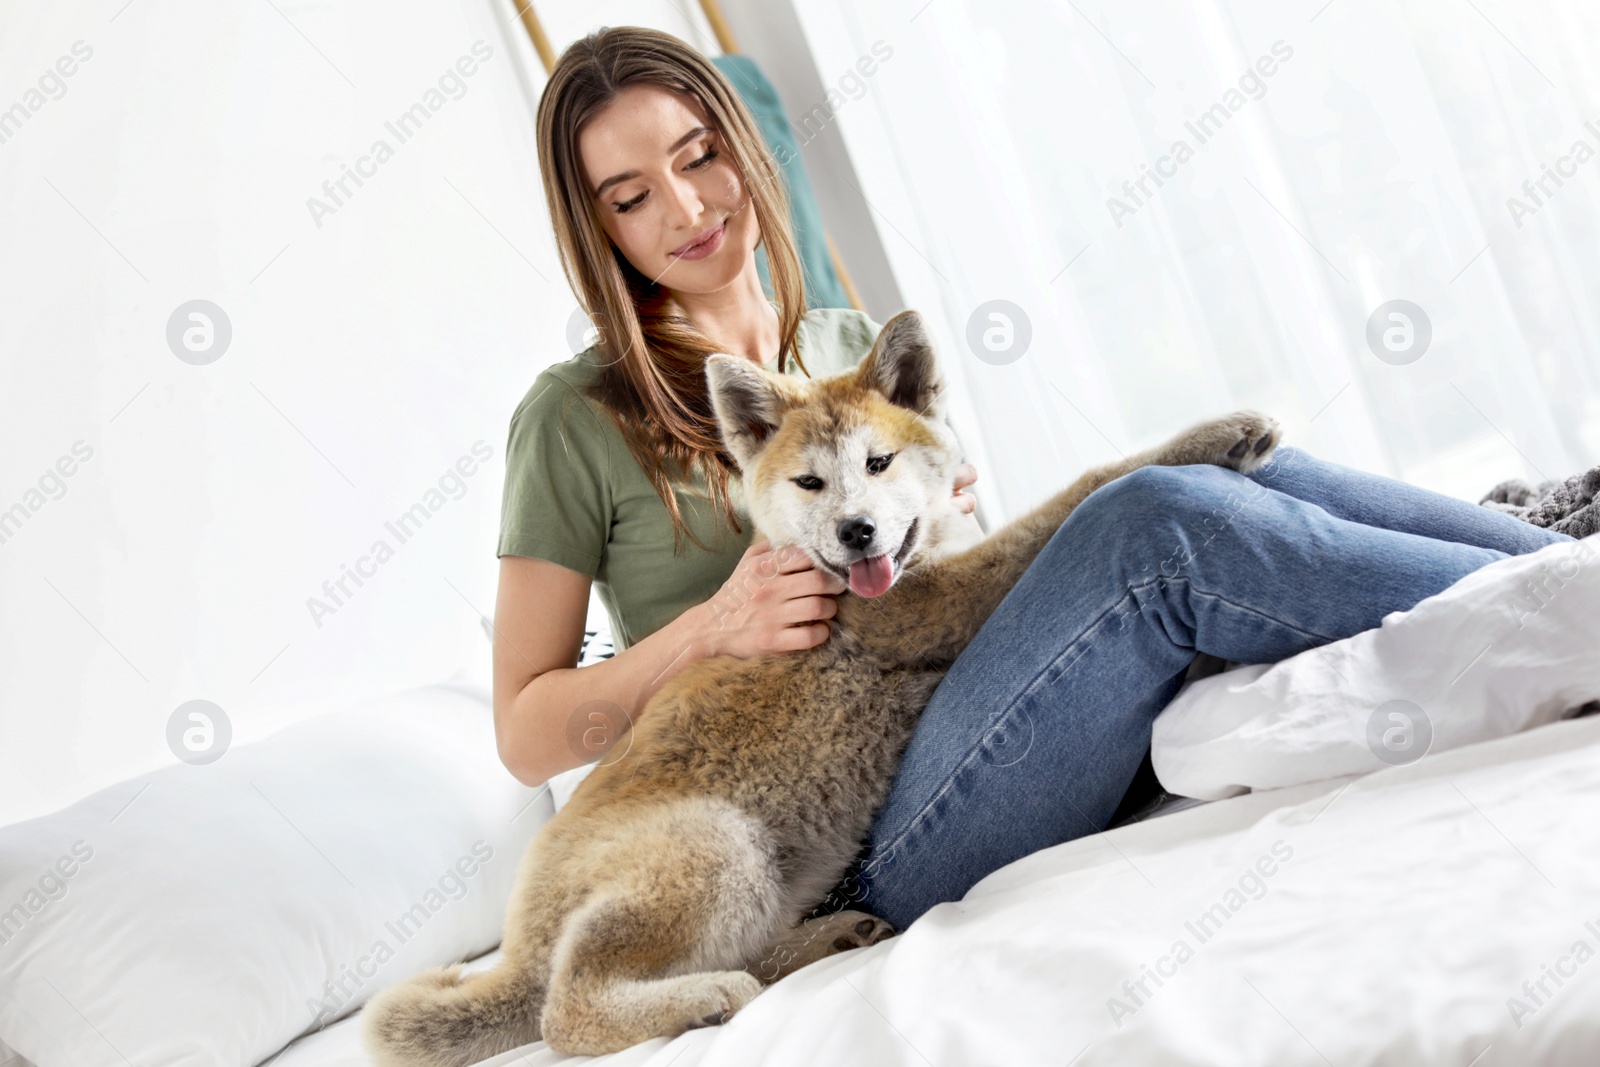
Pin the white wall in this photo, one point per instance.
(369, 355)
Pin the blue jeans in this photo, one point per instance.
(1039, 726)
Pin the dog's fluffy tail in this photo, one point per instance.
(442, 1018)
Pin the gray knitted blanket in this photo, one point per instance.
(1570, 507)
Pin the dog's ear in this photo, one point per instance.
(749, 404)
(903, 367)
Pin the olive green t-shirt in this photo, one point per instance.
(575, 495)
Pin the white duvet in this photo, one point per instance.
(1512, 645)
(1420, 915)
(1444, 910)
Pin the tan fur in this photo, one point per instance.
(671, 886)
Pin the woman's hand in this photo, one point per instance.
(965, 502)
(775, 601)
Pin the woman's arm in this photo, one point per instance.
(551, 715)
(540, 610)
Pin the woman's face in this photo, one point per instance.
(663, 180)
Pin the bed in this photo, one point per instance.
(1438, 908)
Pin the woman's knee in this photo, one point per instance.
(1153, 513)
(1153, 493)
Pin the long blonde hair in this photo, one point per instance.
(653, 382)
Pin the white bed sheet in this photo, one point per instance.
(1404, 914)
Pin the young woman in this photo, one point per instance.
(660, 188)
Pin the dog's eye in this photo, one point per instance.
(878, 464)
(808, 481)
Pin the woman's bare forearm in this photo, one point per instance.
(567, 717)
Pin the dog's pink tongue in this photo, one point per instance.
(871, 576)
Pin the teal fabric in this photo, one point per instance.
(823, 288)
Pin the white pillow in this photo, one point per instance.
(563, 785)
(209, 914)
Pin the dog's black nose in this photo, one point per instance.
(857, 531)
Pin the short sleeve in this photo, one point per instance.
(557, 500)
(866, 331)
(837, 339)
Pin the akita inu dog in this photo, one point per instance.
(672, 885)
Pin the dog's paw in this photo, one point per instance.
(859, 930)
(1242, 441)
(818, 938)
(723, 993)
(842, 931)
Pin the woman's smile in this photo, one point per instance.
(703, 244)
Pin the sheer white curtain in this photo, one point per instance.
(1316, 161)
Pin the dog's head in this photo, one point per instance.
(856, 469)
